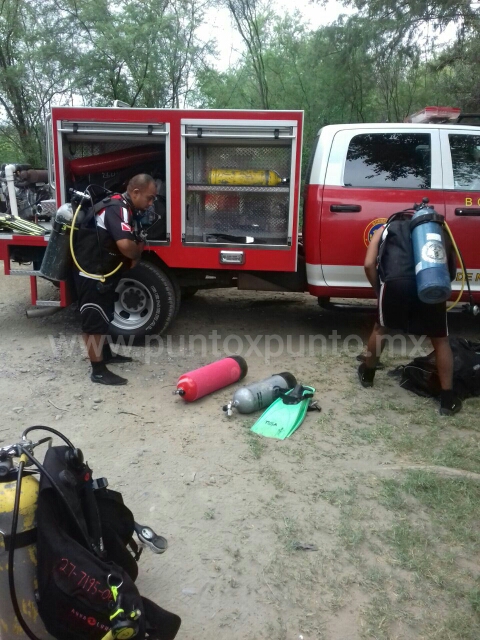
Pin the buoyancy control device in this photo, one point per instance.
(81, 532)
(71, 219)
(430, 255)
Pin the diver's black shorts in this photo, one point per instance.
(96, 303)
(399, 307)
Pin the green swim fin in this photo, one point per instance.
(285, 415)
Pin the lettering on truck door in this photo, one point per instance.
(373, 172)
(461, 152)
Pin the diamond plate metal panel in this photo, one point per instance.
(48, 207)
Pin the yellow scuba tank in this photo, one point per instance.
(245, 177)
(25, 559)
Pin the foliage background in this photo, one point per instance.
(379, 61)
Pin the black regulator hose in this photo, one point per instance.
(40, 427)
(11, 552)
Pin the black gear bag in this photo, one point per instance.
(86, 572)
(421, 377)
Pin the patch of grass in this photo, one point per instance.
(273, 476)
(459, 454)
(209, 514)
(452, 503)
(413, 550)
(456, 624)
(279, 632)
(380, 615)
(379, 431)
(339, 497)
(235, 553)
(474, 599)
(391, 495)
(287, 531)
(256, 444)
(298, 455)
(351, 535)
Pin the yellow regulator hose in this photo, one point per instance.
(95, 276)
(460, 262)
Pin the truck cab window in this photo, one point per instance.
(465, 150)
(389, 160)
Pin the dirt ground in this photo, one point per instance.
(240, 511)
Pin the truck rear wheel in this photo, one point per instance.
(145, 302)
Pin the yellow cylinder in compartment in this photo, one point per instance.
(244, 177)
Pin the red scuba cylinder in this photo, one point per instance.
(200, 382)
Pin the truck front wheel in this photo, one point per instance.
(145, 302)
(324, 302)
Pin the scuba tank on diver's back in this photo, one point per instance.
(430, 255)
(245, 177)
(57, 259)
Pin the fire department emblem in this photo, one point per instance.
(371, 228)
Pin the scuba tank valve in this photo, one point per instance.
(431, 268)
(260, 395)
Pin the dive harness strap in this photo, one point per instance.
(427, 217)
(297, 395)
(102, 204)
(22, 539)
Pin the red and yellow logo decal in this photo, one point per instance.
(371, 228)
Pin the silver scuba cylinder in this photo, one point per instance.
(260, 395)
(25, 559)
(56, 261)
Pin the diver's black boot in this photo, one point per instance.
(102, 375)
(366, 375)
(113, 358)
(450, 404)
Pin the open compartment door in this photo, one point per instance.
(238, 184)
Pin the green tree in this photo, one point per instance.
(250, 18)
(35, 66)
(145, 54)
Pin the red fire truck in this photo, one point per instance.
(229, 188)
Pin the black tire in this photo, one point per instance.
(188, 292)
(324, 303)
(145, 302)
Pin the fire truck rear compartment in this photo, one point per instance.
(110, 162)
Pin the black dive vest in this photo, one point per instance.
(95, 249)
(395, 253)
